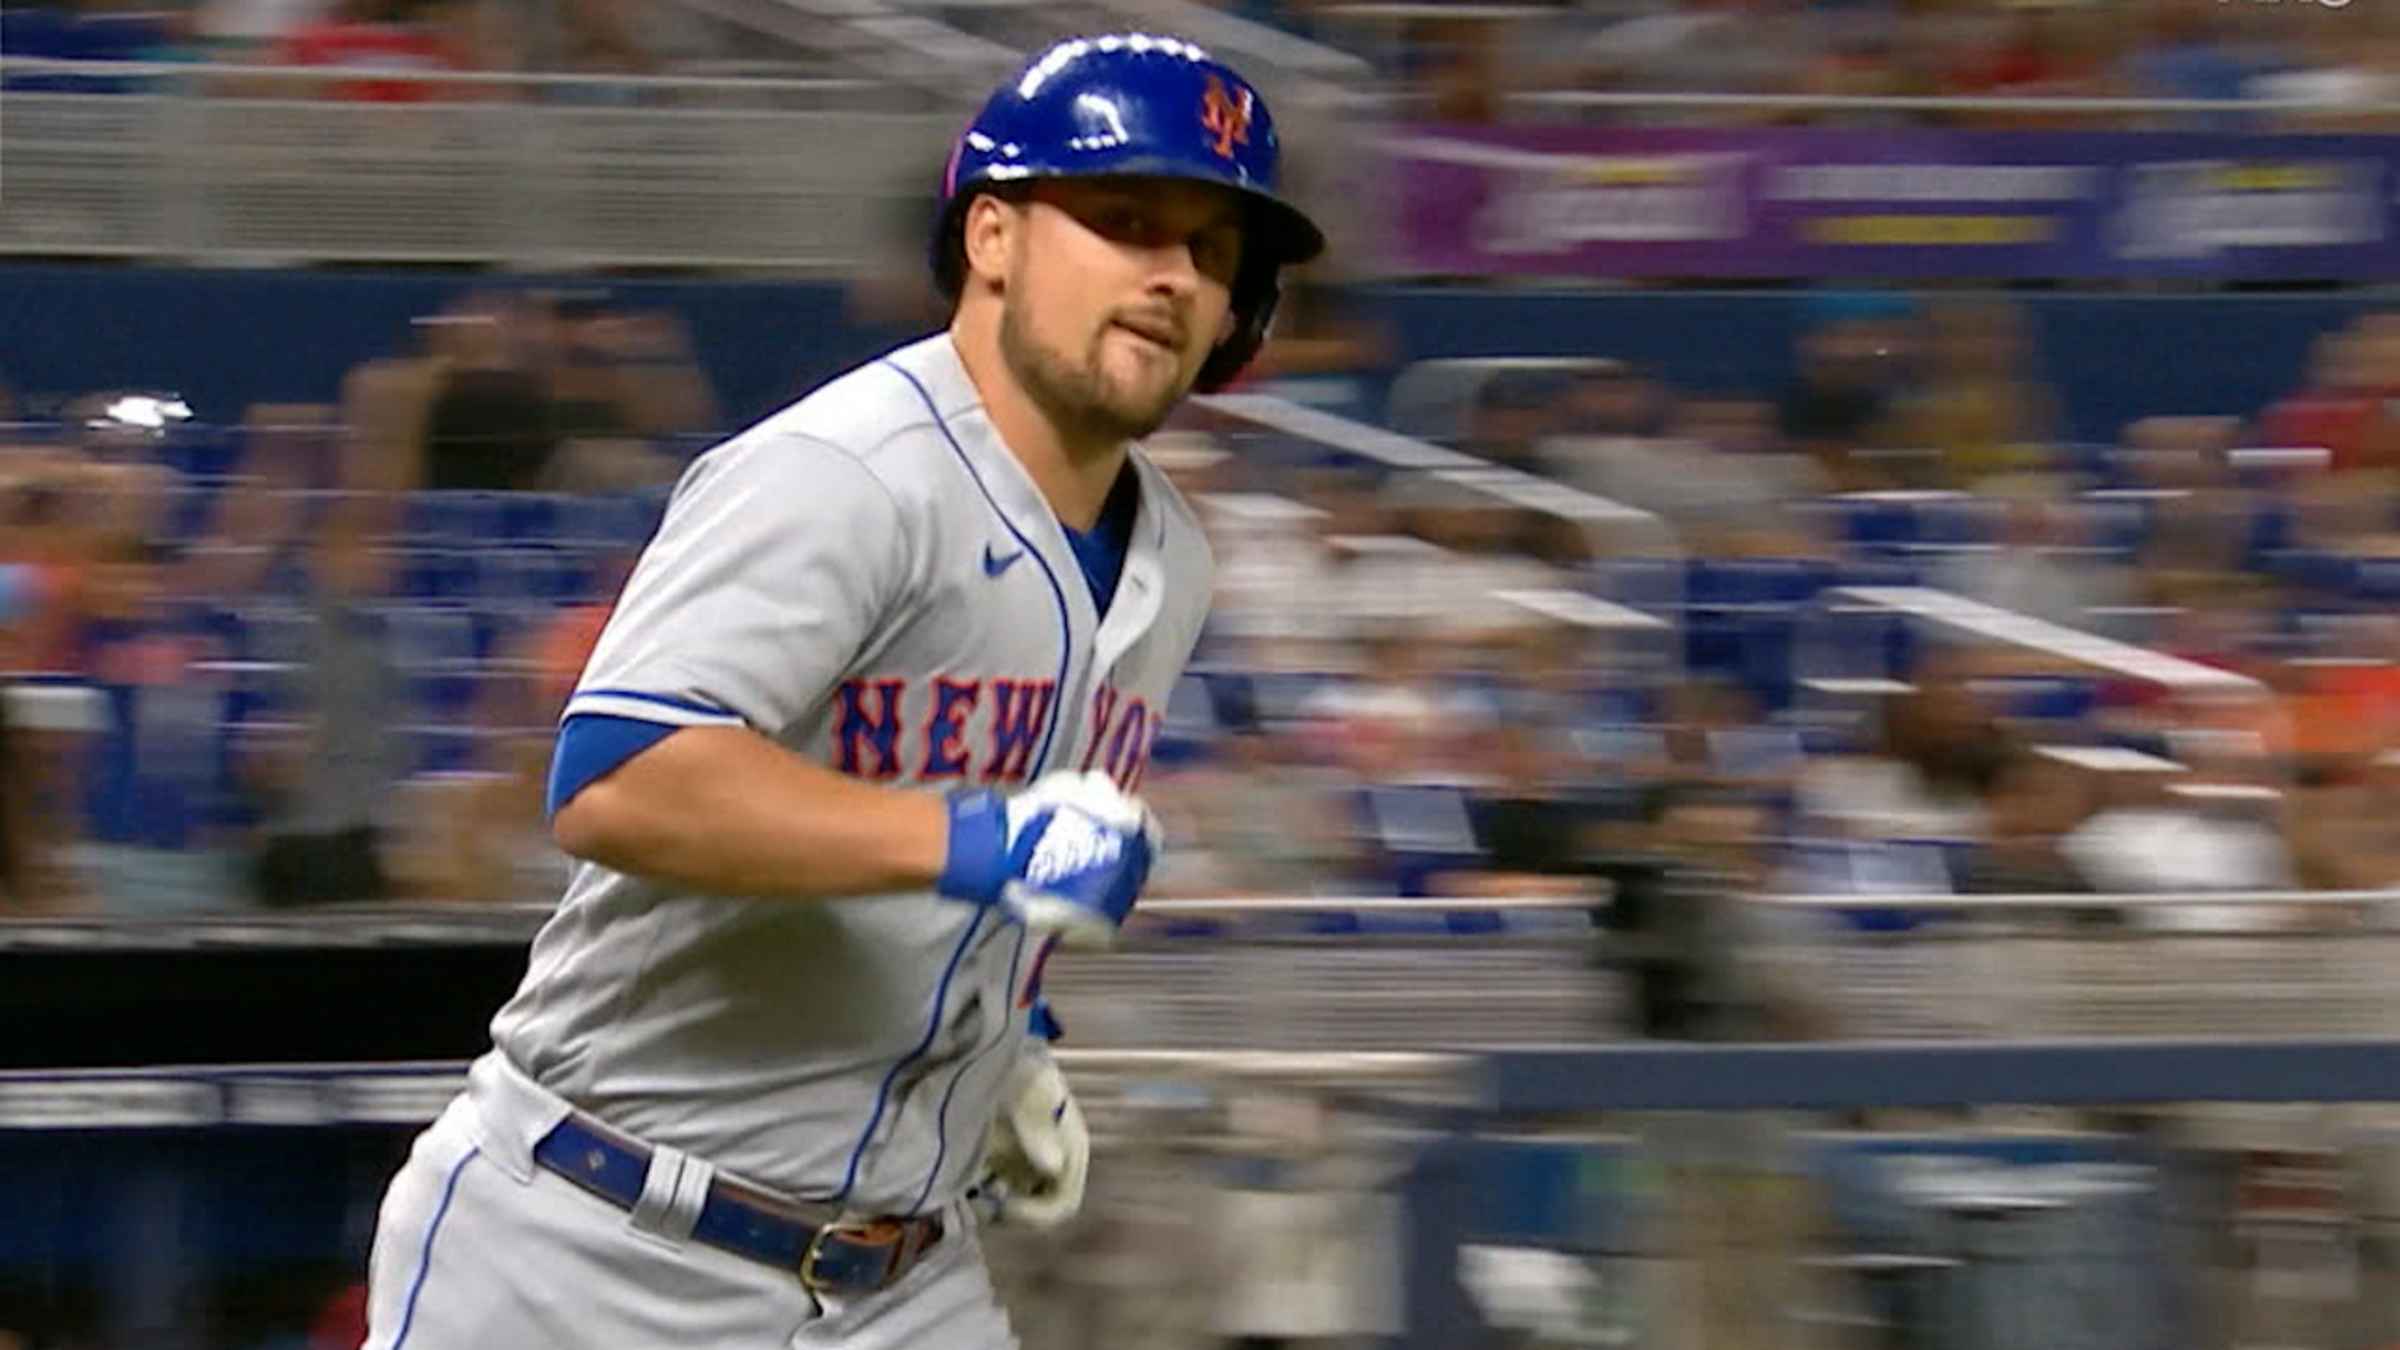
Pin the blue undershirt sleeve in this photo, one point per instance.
(592, 746)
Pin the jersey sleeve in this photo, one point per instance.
(775, 562)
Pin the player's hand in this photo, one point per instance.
(1038, 1152)
(1066, 856)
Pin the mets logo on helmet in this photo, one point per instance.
(1226, 116)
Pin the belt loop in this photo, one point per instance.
(514, 1113)
(672, 1192)
(692, 1187)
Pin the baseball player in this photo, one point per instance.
(858, 746)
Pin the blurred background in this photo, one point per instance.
(1799, 743)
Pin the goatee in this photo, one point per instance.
(1078, 399)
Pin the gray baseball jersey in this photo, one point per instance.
(870, 579)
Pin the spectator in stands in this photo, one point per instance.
(391, 38)
(2182, 52)
(2342, 826)
(323, 838)
(1458, 69)
(94, 31)
(1923, 788)
(1982, 410)
(1717, 476)
(2039, 50)
(1257, 814)
(1701, 46)
(484, 836)
(1614, 398)
(2345, 712)
(154, 785)
(40, 530)
(617, 378)
(2339, 405)
(2344, 78)
(601, 37)
(1515, 411)
(1401, 717)
(525, 393)
(2034, 804)
(2037, 565)
(488, 423)
(1680, 925)
(1866, 54)
(249, 32)
(2379, 338)
(2179, 842)
(18, 596)
(52, 509)
(1481, 541)
(2200, 534)
(1851, 370)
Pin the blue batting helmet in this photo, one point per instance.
(1133, 105)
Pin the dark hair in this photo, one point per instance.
(131, 548)
(1665, 799)
(1520, 390)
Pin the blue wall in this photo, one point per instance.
(228, 338)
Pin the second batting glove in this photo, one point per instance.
(1066, 856)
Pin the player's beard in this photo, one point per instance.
(1080, 398)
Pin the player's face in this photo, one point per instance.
(1117, 291)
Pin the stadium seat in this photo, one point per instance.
(1190, 726)
(2040, 698)
(186, 513)
(1418, 830)
(455, 519)
(1748, 583)
(437, 748)
(529, 517)
(1765, 661)
(426, 637)
(2271, 530)
(2376, 580)
(521, 576)
(204, 452)
(1653, 585)
(1620, 743)
(1877, 572)
(430, 575)
(2308, 569)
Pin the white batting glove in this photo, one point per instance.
(1038, 1151)
(1066, 856)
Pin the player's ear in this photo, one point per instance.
(989, 235)
(1226, 325)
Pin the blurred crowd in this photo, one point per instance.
(1395, 698)
(1470, 62)
(392, 45)
(2337, 66)
(316, 657)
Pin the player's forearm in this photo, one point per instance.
(723, 811)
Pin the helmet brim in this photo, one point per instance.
(1284, 230)
(1276, 232)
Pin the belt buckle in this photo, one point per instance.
(869, 1230)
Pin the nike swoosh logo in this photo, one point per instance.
(993, 567)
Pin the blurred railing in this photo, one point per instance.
(184, 163)
(1351, 975)
(1595, 101)
(1954, 967)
